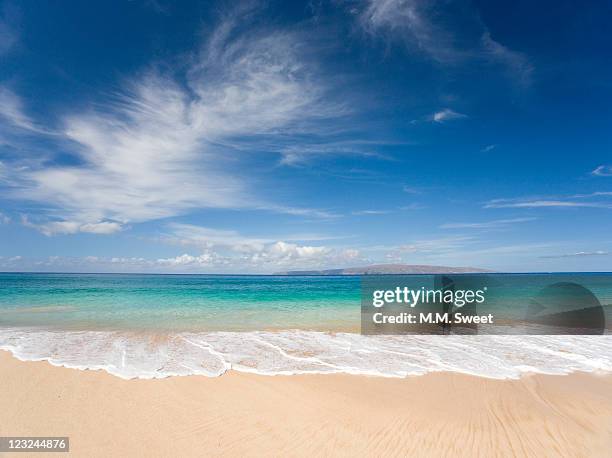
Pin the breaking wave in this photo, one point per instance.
(145, 355)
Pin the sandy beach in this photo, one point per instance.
(443, 414)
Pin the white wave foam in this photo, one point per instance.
(131, 355)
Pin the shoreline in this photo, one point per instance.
(153, 355)
(246, 414)
(48, 360)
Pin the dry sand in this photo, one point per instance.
(309, 415)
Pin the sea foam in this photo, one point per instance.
(140, 355)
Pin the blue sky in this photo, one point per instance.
(267, 136)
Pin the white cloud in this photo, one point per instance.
(593, 194)
(72, 227)
(411, 190)
(426, 26)
(299, 211)
(509, 203)
(284, 255)
(498, 223)
(603, 171)
(488, 148)
(370, 212)
(270, 258)
(446, 115)
(517, 63)
(4, 219)
(162, 147)
(410, 20)
(291, 251)
(203, 260)
(292, 158)
(229, 248)
(203, 237)
(298, 153)
(596, 199)
(578, 254)
(13, 113)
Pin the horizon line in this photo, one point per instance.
(309, 275)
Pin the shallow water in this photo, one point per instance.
(179, 302)
(152, 326)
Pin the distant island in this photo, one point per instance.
(388, 269)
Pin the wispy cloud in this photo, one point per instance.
(596, 199)
(603, 171)
(509, 203)
(441, 116)
(488, 148)
(495, 224)
(305, 151)
(370, 212)
(592, 194)
(472, 251)
(412, 206)
(161, 147)
(579, 254)
(519, 67)
(298, 211)
(428, 247)
(446, 114)
(411, 190)
(205, 237)
(13, 113)
(544, 204)
(50, 228)
(410, 20)
(9, 32)
(426, 26)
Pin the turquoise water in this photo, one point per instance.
(232, 303)
(179, 302)
(153, 326)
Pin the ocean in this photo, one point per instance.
(154, 326)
